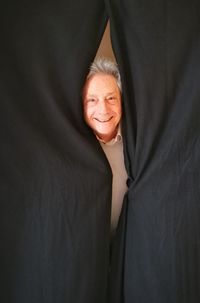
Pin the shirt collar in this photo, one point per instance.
(116, 139)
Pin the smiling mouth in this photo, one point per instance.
(103, 121)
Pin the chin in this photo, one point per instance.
(102, 133)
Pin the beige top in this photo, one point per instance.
(114, 153)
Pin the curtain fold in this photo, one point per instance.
(55, 184)
(157, 46)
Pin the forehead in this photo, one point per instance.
(101, 83)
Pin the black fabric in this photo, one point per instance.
(157, 45)
(55, 185)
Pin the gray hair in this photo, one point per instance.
(105, 66)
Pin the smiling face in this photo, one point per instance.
(102, 105)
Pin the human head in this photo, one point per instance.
(102, 99)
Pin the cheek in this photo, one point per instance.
(118, 112)
(87, 113)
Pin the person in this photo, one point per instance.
(102, 113)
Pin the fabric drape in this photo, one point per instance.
(55, 184)
(157, 250)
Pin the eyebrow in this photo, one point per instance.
(113, 93)
(87, 95)
(92, 95)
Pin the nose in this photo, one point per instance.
(103, 107)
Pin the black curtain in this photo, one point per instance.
(55, 184)
(157, 250)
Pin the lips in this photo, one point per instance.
(103, 121)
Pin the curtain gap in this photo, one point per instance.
(105, 47)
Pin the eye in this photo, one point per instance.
(111, 100)
(91, 100)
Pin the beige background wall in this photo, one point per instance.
(105, 48)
